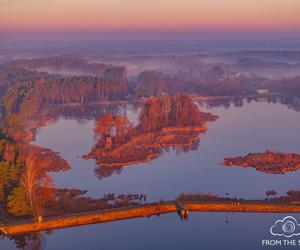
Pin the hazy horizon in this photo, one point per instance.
(157, 16)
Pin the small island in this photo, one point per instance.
(269, 162)
(164, 122)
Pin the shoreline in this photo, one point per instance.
(194, 98)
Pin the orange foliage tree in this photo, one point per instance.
(38, 187)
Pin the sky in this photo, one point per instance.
(150, 15)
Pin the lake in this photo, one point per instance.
(243, 128)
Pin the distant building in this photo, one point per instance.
(262, 91)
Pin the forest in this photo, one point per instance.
(25, 91)
(71, 65)
(213, 82)
(26, 84)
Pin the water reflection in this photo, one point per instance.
(32, 241)
(291, 101)
(104, 172)
(245, 231)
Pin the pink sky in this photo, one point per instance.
(150, 15)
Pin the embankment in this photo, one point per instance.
(147, 210)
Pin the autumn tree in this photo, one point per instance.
(38, 187)
(10, 166)
(114, 128)
(171, 111)
(17, 202)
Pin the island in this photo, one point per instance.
(164, 122)
(270, 162)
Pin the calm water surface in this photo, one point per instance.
(254, 127)
(201, 231)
